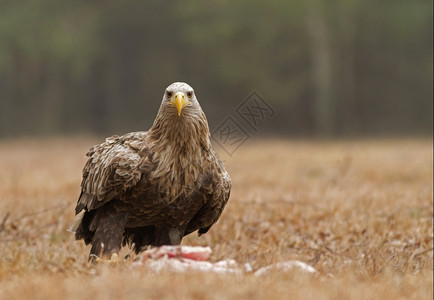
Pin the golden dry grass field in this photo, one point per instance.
(360, 212)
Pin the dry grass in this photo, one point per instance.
(359, 212)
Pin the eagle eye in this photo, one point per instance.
(169, 94)
(189, 94)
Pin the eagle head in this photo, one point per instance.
(180, 119)
(180, 98)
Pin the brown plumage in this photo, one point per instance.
(154, 187)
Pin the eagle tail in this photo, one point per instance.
(75, 224)
(80, 226)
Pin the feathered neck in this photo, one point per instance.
(181, 147)
(188, 132)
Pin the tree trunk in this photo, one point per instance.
(322, 68)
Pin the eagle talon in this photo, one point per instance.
(114, 259)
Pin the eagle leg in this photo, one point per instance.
(169, 235)
(108, 236)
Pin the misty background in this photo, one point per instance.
(336, 68)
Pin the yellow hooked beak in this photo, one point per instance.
(180, 102)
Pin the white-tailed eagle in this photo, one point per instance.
(152, 188)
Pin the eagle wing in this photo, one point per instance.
(217, 187)
(112, 169)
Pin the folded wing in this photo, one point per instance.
(112, 169)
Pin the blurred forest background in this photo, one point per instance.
(331, 68)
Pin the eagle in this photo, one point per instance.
(152, 188)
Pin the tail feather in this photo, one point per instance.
(75, 224)
(80, 226)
